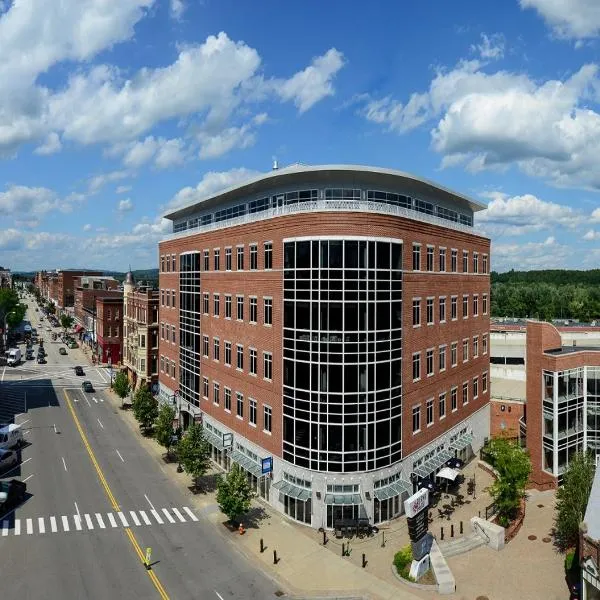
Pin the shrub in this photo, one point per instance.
(402, 561)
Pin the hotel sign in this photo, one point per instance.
(416, 503)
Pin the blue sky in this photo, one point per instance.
(113, 112)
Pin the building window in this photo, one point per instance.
(205, 303)
(429, 361)
(205, 387)
(453, 354)
(453, 260)
(206, 260)
(162, 264)
(267, 418)
(475, 305)
(454, 308)
(465, 352)
(173, 334)
(442, 261)
(416, 419)
(173, 298)
(173, 262)
(465, 261)
(475, 388)
(240, 404)
(484, 263)
(162, 331)
(240, 258)
(240, 308)
(416, 257)
(162, 297)
(454, 399)
(205, 346)
(475, 346)
(484, 382)
(227, 399)
(253, 257)
(429, 311)
(475, 262)
(252, 415)
(484, 343)
(240, 357)
(162, 363)
(484, 307)
(268, 365)
(216, 304)
(442, 405)
(228, 353)
(268, 256)
(430, 251)
(268, 312)
(252, 361)
(465, 309)
(217, 259)
(216, 348)
(429, 412)
(416, 312)
(253, 310)
(416, 366)
(442, 355)
(216, 393)
(442, 310)
(465, 393)
(228, 306)
(228, 259)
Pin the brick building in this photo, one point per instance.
(333, 322)
(109, 326)
(563, 402)
(59, 286)
(589, 544)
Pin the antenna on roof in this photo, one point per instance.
(275, 165)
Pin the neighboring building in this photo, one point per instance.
(140, 333)
(109, 327)
(334, 320)
(563, 402)
(85, 312)
(589, 544)
(5, 278)
(59, 286)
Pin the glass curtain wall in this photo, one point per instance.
(593, 409)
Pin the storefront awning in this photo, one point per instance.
(429, 466)
(397, 488)
(213, 439)
(295, 491)
(247, 464)
(343, 499)
(462, 442)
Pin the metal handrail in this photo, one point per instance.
(476, 526)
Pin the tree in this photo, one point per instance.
(234, 494)
(163, 428)
(51, 308)
(193, 452)
(572, 498)
(121, 385)
(514, 466)
(66, 322)
(145, 408)
(16, 315)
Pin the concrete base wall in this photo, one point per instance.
(492, 533)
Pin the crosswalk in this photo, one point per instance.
(96, 521)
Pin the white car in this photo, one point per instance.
(8, 459)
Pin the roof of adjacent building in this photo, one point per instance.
(571, 350)
(592, 512)
(326, 173)
(507, 389)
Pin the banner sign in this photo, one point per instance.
(416, 503)
(418, 525)
(267, 465)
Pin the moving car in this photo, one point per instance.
(79, 371)
(87, 386)
(11, 436)
(8, 459)
(62, 351)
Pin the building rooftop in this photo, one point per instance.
(507, 389)
(571, 350)
(592, 512)
(324, 174)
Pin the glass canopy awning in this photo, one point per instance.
(429, 466)
(247, 464)
(294, 491)
(214, 439)
(346, 499)
(462, 442)
(396, 488)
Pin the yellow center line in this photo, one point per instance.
(115, 505)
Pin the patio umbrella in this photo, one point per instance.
(448, 473)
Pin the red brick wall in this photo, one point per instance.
(509, 417)
(270, 283)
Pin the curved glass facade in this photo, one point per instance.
(342, 353)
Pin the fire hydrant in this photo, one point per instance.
(241, 529)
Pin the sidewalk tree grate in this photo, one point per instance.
(279, 593)
(546, 540)
(482, 598)
(532, 537)
(540, 506)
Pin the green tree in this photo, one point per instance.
(121, 385)
(514, 466)
(163, 428)
(572, 498)
(145, 408)
(66, 322)
(51, 308)
(234, 494)
(193, 452)
(16, 315)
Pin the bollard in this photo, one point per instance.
(364, 560)
(262, 546)
(343, 549)
(275, 559)
(442, 533)
(461, 528)
(383, 539)
(324, 537)
(480, 514)
(452, 530)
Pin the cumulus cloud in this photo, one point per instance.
(591, 235)
(125, 205)
(570, 19)
(97, 182)
(547, 254)
(51, 145)
(491, 46)
(123, 189)
(176, 9)
(87, 227)
(24, 201)
(163, 152)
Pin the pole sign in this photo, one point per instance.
(417, 513)
(416, 503)
(227, 440)
(267, 465)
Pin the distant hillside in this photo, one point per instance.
(552, 276)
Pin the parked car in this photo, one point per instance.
(8, 459)
(62, 351)
(73, 345)
(11, 494)
(41, 360)
(87, 386)
(79, 371)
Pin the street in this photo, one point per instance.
(97, 501)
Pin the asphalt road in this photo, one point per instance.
(98, 500)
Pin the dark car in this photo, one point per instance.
(79, 371)
(41, 360)
(87, 386)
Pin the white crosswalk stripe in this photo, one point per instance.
(96, 521)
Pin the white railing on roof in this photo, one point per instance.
(326, 206)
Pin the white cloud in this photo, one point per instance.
(20, 200)
(491, 46)
(595, 216)
(87, 227)
(591, 234)
(547, 254)
(211, 183)
(125, 205)
(314, 83)
(11, 239)
(140, 152)
(165, 153)
(571, 19)
(170, 153)
(212, 146)
(51, 145)
(99, 181)
(177, 8)
(123, 189)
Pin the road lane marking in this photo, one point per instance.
(151, 574)
(134, 518)
(3, 372)
(193, 517)
(100, 521)
(111, 519)
(122, 459)
(123, 519)
(150, 503)
(15, 467)
(64, 463)
(95, 399)
(178, 514)
(218, 595)
(17, 526)
(77, 519)
(5, 525)
(145, 517)
(53, 526)
(88, 521)
(88, 401)
(28, 478)
(23, 423)
(100, 422)
(29, 523)
(65, 523)
(41, 525)
(76, 508)
(157, 517)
